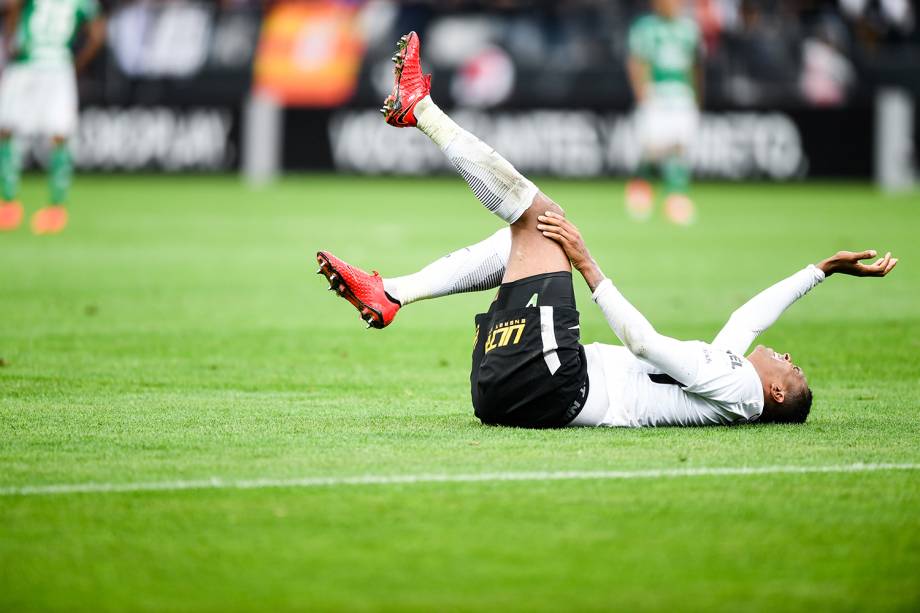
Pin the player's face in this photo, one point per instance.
(782, 366)
(668, 8)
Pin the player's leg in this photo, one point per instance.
(60, 121)
(470, 269)
(60, 171)
(675, 169)
(504, 191)
(474, 268)
(640, 195)
(494, 181)
(675, 172)
(10, 208)
(52, 219)
(11, 102)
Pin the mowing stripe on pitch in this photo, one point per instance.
(312, 482)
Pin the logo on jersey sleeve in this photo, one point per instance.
(735, 360)
(505, 333)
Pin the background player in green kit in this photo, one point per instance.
(38, 96)
(664, 72)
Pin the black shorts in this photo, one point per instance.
(529, 368)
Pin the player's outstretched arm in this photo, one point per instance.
(762, 311)
(671, 356)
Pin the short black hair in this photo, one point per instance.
(794, 410)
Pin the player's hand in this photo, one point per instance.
(848, 263)
(564, 232)
(558, 228)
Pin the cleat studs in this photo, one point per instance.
(319, 271)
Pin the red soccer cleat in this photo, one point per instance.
(410, 84)
(10, 216)
(364, 291)
(49, 220)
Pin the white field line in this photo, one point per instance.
(217, 483)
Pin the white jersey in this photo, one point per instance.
(626, 391)
(706, 384)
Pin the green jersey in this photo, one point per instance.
(670, 48)
(47, 27)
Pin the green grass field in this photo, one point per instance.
(176, 332)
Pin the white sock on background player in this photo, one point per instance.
(471, 269)
(496, 183)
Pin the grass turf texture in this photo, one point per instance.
(176, 331)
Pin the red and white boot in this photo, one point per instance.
(363, 290)
(410, 85)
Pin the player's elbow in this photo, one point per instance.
(639, 343)
(640, 350)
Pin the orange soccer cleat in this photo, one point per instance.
(640, 199)
(10, 216)
(49, 220)
(363, 290)
(410, 84)
(679, 209)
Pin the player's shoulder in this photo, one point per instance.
(688, 26)
(645, 22)
(88, 8)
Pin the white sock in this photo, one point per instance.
(494, 181)
(471, 269)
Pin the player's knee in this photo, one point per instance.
(540, 205)
(543, 204)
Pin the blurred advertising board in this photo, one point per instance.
(177, 53)
(578, 143)
(156, 138)
(309, 54)
(171, 91)
(731, 145)
(148, 138)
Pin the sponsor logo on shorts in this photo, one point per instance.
(505, 333)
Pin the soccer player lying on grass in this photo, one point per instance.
(529, 367)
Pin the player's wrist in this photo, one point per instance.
(828, 266)
(592, 274)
